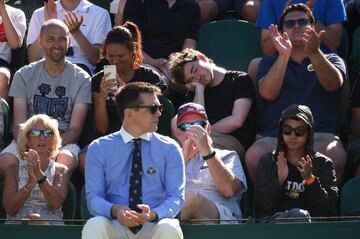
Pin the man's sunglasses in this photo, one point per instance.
(186, 125)
(152, 108)
(299, 131)
(38, 132)
(302, 22)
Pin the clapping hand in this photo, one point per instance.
(281, 41)
(282, 168)
(305, 167)
(312, 41)
(73, 22)
(50, 10)
(33, 165)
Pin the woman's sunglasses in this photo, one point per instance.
(186, 125)
(38, 132)
(152, 108)
(299, 131)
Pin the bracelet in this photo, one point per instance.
(309, 181)
(210, 155)
(42, 180)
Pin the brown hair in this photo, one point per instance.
(296, 7)
(128, 35)
(177, 61)
(129, 95)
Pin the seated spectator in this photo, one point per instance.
(299, 73)
(122, 48)
(294, 181)
(228, 97)
(245, 9)
(163, 33)
(87, 23)
(354, 144)
(51, 86)
(329, 16)
(12, 33)
(37, 187)
(134, 177)
(215, 179)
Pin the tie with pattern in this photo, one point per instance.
(135, 193)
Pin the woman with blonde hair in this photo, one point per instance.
(36, 187)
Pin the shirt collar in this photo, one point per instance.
(83, 6)
(127, 137)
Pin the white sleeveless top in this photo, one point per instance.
(36, 202)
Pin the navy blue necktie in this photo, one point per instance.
(135, 193)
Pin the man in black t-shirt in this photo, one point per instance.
(228, 97)
(166, 26)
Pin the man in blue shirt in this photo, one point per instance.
(329, 15)
(299, 74)
(108, 171)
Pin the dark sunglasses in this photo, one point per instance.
(38, 132)
(152, 108)
(299, 131)
(186, 125)
(302, 22)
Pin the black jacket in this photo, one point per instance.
(319, 198)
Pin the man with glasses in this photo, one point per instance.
(135, 177)
(299, 73)
(294, 182)
(329, 15)
(228, 97)
(215, 179)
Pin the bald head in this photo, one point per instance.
(54, 23)
(55, 40)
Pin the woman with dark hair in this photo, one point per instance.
(123, 49)
(294, 181)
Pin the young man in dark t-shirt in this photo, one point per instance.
(228, 97)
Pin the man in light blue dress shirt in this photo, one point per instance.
(108, 167)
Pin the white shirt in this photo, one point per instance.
(18, 19)
(198, 179)
(96, 25)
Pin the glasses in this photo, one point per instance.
(299, 131)
(38, 132)
(186, 125)
(152, 108)
(302, 22)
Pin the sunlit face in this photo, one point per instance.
(41, 143)
(119, 55)
(296, 33)
(198, 71)
(182, 136)
(292, 141)
(143, 119)
(55, 43)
